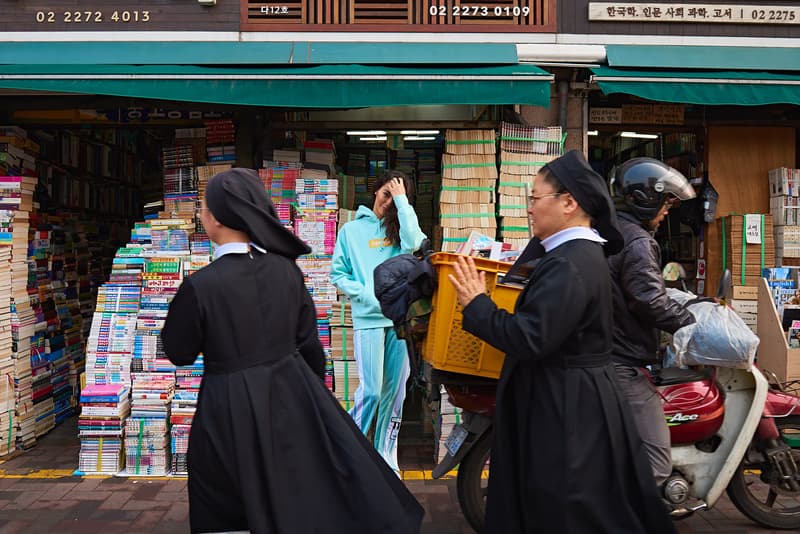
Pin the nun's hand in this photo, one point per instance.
(469, 283)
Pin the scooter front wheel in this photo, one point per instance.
(757, 490)
(472, 484)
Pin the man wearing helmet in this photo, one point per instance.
(643, 190)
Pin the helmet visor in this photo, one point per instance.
(675, 184)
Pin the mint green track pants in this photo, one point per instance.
(383, 371)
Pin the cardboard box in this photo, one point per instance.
(774, 354)
(745, 292)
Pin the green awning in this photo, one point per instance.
(704, 57)
(324, 86)
(256, 53)
(740, 88)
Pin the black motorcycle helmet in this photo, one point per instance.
(641, 186)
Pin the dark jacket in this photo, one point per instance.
(641, 305)
(401, 280)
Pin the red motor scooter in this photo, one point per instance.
(730, 430)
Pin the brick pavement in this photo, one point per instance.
(38, 495)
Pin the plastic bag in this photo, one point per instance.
(717, 337)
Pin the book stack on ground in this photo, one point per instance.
(17, 183)
(316, 273)
(523, 152)
(147, 428)
(40, 290)
(469, 181)
(104, 409)
(7, 406)
(748, 241)
(23, 321)
(345, 369)
(7, 358)
(184, 404)
(220, 140)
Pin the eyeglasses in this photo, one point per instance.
(198, 210)
(533, 198)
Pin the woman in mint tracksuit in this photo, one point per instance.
(388, 229)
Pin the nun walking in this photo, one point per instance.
(566, 456)
(270, 450)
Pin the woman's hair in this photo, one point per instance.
(550, 178)
(390, 221)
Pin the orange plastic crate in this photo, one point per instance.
(448, 347)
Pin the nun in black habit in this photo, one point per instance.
(270, 450)
(566, 457)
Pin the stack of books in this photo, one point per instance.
(469, 180)
(184, 404)
(220, 140)
(345, 369)
(523, 152)
(104, 409)
(147, 428)
(280, 179)
(18, 180)
(316, 272)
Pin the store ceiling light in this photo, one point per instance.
(376, 138)
(367, 132)
(419, 132)
(639, 135)
(419, 138)
(592, 132)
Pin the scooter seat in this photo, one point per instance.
(673, 375)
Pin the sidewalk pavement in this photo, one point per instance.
(39, 494)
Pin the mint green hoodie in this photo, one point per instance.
(360, 247)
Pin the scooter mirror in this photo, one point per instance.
(673, 271)
(724, 288)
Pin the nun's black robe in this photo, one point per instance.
(271, 450)
(565, 455)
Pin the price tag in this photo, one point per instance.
(752, 228)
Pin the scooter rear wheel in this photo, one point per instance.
(756, 492)
(470, 483)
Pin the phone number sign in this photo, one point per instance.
(112, 15)
(702, 13)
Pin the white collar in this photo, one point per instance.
(570, 234)
(235, 248)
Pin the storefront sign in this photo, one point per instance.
(400, 15)
(638, 114)
(605, 115)
(652, 114)
(109, 15)
(704, 13)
